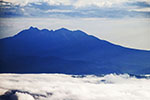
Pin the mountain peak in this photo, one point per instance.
(33, 28)
(62, 29)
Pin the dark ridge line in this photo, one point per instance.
(76, 30)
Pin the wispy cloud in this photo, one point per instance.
(75, 8)
(140, 4)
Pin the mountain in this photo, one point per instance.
(70, 52)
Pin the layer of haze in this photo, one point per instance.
(133, 33)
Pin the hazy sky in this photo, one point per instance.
(124, 22)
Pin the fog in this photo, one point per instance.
(72, 87)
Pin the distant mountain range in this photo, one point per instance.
(70, 52)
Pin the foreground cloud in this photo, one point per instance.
(75, 8)
(68, 87)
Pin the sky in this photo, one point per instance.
(123, 22)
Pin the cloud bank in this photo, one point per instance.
(75, 8)
(68, 87)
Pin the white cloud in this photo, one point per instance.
(78, 8)
(78, 3)
(66, 87)
(24, 96)
(59, 2)
(57, 10)
(141, 10)
(51, 2)
(99, 3)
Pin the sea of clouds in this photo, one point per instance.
(73, 87)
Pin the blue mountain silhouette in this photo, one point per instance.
(71, 52)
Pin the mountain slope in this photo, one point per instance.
(65, 51)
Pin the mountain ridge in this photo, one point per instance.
(63, 28)
(65, 51)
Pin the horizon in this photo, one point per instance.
(32, 27)
(102, 36)
(121, 22)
